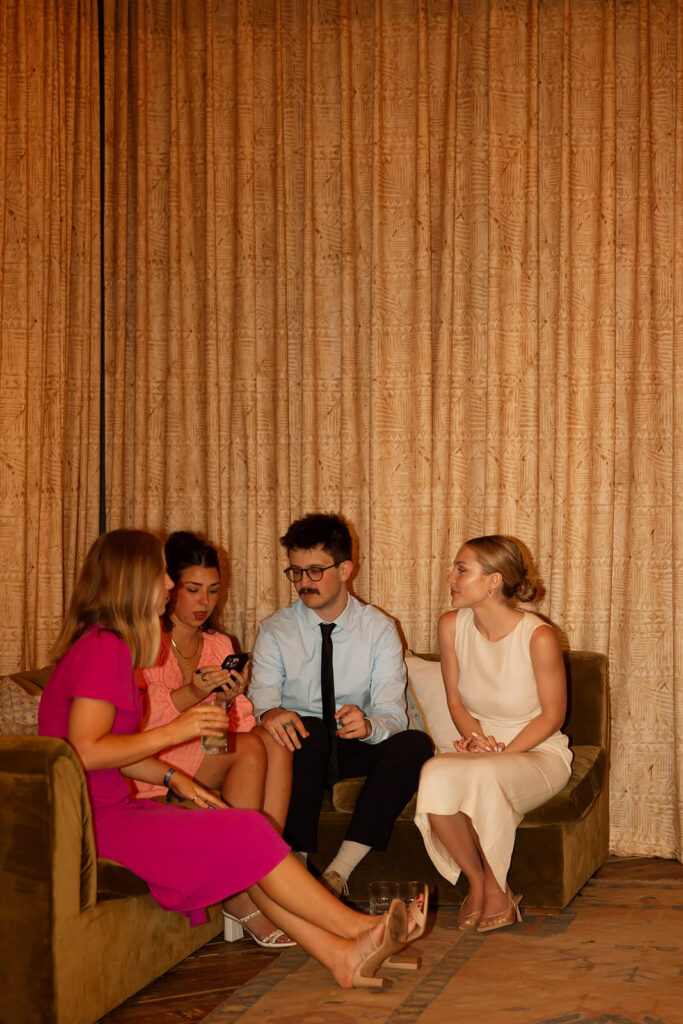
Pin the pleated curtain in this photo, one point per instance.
(419, 263)
(49, 315)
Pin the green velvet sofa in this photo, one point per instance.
(558, 846)
(79, 935)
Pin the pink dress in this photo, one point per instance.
(190, 859)
(166, 677)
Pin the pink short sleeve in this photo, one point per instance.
(103, 670)
(98, 667)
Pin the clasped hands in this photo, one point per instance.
(288, 730)
(477, 744)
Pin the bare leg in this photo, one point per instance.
(278, 781)
(240, 776)
(495, 898)
(457, 834)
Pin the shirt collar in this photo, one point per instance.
(343, 621)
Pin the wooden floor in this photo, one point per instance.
(207, 978)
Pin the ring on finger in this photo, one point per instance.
(287, 725)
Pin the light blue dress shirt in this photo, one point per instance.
(369, 670)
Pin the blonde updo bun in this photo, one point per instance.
(497, 553)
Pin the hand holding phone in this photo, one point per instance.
(232, 663)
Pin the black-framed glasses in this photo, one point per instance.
(315, 572)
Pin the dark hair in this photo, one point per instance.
(497, 553)
(184, 550)
(318, 528)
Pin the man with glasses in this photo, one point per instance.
(328, 683)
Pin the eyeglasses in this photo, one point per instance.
(315, 573)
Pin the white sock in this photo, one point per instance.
(349, 856)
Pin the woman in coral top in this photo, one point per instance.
(256, 772)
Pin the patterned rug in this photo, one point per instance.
(618, 960)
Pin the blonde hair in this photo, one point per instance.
(118, 588)
(497, 553)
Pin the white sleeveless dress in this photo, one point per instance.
(498, 687)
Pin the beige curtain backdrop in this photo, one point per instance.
(420, 263)
(49, 314)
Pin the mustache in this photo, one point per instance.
(309, 590)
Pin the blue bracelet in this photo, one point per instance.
(167, 777)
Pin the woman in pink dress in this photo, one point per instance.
(256, 772)
(189, 859)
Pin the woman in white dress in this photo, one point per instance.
(506, 691)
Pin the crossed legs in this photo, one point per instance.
(326, 928)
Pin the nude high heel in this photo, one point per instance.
(417, 910)
(505, 917)
(468, 921)
(374, 956)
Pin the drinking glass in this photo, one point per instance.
(217, 744)
(381, 895)
(410, 891)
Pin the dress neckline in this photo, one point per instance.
(503, 638)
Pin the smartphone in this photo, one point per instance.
(232, 663)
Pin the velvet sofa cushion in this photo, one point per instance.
(33, 681)
(116, 882)
(586, 781)
(346, 793)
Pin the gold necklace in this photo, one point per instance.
(185, 656)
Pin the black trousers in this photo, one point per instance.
(392, 770)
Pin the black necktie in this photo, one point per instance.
(329, 708)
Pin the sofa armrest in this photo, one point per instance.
(47, 863)
(46, 820)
